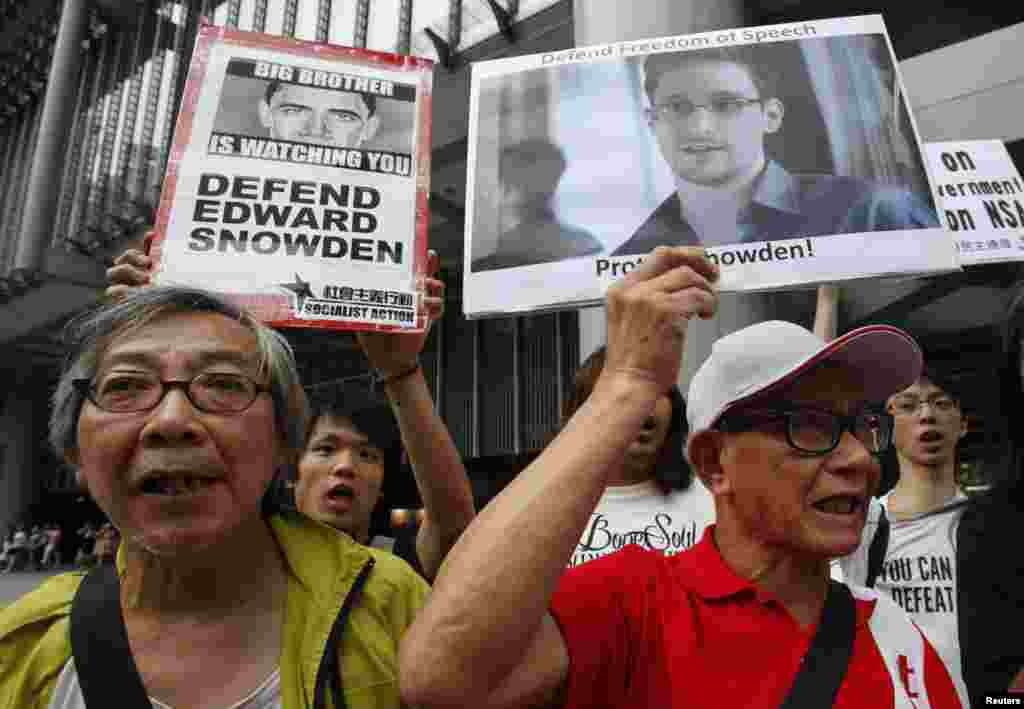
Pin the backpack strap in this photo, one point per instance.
(824, 667)
(103, 658)
(99, 643)
(879, 546)
(328, 674)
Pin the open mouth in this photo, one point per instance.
(930, 437)
(183, 485)
(341, 492)
(839, 505)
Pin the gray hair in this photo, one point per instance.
(89, 335)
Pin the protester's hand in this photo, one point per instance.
(131, 270)
(392, 353)
(648, 311)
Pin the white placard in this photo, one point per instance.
(981, 194)
(298, 181)
(788, 151)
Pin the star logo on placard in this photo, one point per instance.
(301, 290)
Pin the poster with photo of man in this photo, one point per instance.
(298, 181)
(787, 150)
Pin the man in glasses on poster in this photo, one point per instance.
(710, 112)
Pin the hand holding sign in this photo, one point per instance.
(648, 312)
(131, 270)
(394, 353)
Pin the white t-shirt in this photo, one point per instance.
(641, 514)
(67, 694)
(919, 573)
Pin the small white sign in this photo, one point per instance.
(981, 194)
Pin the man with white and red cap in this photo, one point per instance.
(784, 435)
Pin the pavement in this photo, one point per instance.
(18, 583)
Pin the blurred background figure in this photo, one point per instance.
(5, 548)
(51, 553)
(529, 231)
(17, 550)
(87, 539)
(36, 546)
(107, 541)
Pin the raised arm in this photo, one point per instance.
(485, 637)
(440, 474)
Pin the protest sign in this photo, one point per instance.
(981, 194)
(787, 150)
(298, 180)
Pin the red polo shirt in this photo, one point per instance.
(646, 630)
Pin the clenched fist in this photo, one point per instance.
(648, 311)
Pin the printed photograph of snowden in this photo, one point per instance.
(343, 117)
(709, 146)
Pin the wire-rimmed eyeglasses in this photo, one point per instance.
(679, 109)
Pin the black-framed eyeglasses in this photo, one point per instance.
(132, 392)
(680, 109)
(817, 431)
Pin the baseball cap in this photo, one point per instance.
(769, 355)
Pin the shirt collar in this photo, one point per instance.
(334, 555)
(777, 189)
(705, 572)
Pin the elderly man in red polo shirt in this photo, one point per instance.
(785, 438)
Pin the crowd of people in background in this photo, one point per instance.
(41, 547)
(654, 531)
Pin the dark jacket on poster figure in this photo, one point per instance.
(789, 206)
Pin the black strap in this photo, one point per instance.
(106, 669)
(103, 659)
(824, 666)
(877, 550)
(328, 673)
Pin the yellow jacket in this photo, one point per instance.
(322, 563)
